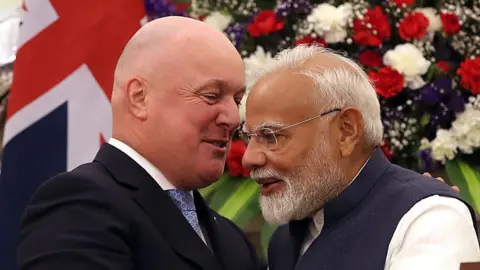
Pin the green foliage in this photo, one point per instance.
(235, 198)
(467, 179)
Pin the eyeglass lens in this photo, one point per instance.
(265, 136)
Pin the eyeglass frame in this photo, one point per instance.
(273, 132)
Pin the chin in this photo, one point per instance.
(211, 176)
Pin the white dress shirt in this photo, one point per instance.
(161, 180)
(436, 233)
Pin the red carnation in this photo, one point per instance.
(469, 72)
(234, 159)
(443, 65)
(370, 59)
(450, 23)
(407, 3)
(388, 82)
(264, 23)
(309, 40)
(373, 29)
(413, 26)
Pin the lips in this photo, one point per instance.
(270, 185)
(267, 181)
(220, 143)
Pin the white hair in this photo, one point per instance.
(339, 86)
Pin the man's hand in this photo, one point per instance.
(441, 179)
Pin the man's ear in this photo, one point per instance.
(136, 95)
(351, 127)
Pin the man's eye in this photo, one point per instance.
(211, 97)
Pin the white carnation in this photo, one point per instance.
(467, 130)
(464, 134)
(331, 22)
(434, 22)
(254, 64)
(444, 146)
(218, 20)
(409, 61)
(242, 108)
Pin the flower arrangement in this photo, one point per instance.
(422, 55)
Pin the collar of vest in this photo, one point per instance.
(358, 189)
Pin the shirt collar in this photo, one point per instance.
(144, 163)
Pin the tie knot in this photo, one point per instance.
(182, 199)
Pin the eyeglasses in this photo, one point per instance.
(267, 137)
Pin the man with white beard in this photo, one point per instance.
(313, 127)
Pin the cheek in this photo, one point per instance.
(287, 160)
(203, 118)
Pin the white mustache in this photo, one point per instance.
(256, 174)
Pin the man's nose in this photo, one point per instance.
(253, 157)
(229, 116)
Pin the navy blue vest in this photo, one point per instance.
(359, 223)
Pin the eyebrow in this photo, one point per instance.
(270, 124)
(221, 84)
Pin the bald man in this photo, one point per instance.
(340, 203)
(175, 100)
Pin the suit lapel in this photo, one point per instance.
(158, 206)
(170, 221)
(210, 223)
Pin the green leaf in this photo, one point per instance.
(472, 178)
(249, 210)
(467, 179)
(223, 192)
(265, 234)
(425, 119)
(238, 199)
(432, 71)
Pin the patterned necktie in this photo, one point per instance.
(184, 201)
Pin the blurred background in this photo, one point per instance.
(424, 56)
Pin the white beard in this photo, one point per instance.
(306, 191)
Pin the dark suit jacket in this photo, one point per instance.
(110, 214)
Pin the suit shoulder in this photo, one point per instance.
(86, 175)
(86, 181)
(409, 180)
(76, 189)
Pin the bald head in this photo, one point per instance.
(166, 41)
